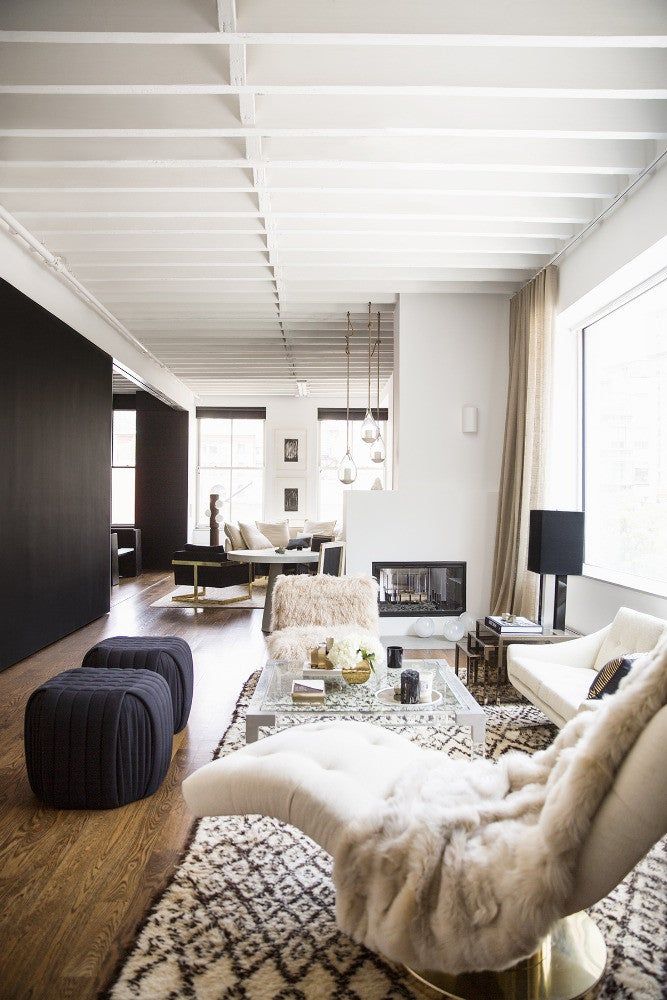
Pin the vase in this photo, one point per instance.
(358, 674)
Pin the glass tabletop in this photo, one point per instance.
(274, 693)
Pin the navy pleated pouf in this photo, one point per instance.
(98, 739)
(168, 655)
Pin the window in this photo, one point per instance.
(625, 443)
(231, 456)
(123, 460)
(332, 449)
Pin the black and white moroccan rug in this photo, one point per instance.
(249, 913)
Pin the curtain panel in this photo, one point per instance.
(522, 479)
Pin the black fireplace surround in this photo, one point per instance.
(421, 588)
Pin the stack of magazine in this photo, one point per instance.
(519, 626)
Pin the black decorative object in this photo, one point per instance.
(409, 687)
(98, 739)
(556, 548)
(394, 657)
(169, 656)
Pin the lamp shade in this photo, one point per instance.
(556, 542)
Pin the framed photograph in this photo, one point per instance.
(290, 498)
(291, 450)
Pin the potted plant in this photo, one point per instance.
(355, 656)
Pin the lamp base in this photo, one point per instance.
(568, 966)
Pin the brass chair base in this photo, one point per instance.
(568, 966)
(199, 601)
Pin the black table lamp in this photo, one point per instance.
(556, 548)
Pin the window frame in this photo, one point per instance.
(644, 585)
(199, 525)
(116, 465)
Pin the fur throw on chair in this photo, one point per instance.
(308, 609)
(466, 866)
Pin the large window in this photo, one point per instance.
(332, 449)
(123, 460)
(231, 456)
(625, 443)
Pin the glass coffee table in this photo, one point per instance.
(272, 707)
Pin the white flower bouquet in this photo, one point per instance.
(347, 653)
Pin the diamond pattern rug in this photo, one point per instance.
(249, 913)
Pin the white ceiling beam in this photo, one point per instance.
(249, 91)
(592, 40)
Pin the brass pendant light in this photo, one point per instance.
(347, 470)
(378, 450)
(369, 428)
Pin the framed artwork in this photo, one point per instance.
(291, 450)
(290, 497)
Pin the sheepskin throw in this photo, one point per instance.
(465, 868)
(300, 601)
(296, 643)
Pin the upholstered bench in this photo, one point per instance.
(98, 739)
(168, 655)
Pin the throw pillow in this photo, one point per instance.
(610, 676)
(276, 531)
(234, 535)
(253, 537)
(311, 528)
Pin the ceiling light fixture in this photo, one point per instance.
(347, 470)
(378, 450)
(369, 429)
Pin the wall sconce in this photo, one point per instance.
(469, 419)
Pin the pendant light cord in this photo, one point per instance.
(377, 347)
(369, 359)
(349, 333)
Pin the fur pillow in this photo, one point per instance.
(311, 528)
(326, 600)
(234, 535)
(253, 537)
(276, 531)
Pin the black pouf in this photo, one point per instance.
(98, 739)
(167, 655)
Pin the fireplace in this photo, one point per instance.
(421, 588)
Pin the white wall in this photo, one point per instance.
(284, 413)
(626, 250)
(451, 350)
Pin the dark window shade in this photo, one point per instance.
(339, 413)
(229, 412)
(124, 400)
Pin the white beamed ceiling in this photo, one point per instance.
(228, 179)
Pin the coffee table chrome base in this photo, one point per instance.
(568, 966)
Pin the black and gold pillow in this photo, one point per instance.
(607, 680)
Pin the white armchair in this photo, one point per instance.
(557, 678)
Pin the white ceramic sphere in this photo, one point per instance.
(424, 627)
(454, 629)
(468, 621)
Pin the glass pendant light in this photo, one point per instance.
(347, 470)
(369, 429)
(378, 450)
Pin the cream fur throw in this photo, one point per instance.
(466, 866)
(296, 643)
(300, 601)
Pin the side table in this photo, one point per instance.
(548, 635)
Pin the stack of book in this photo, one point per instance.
(517, 626)
(308, 691)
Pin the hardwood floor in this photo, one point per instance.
(74, 885)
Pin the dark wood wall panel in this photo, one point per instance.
(161, 480)
(55, 482)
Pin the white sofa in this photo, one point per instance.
(556, 678)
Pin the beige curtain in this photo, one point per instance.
(532, 311)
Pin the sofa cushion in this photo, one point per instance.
(311, 528)
(630, 632)
(233, 533)
(277, 532)
(607, 679)
(559, 685)
(253, 537)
